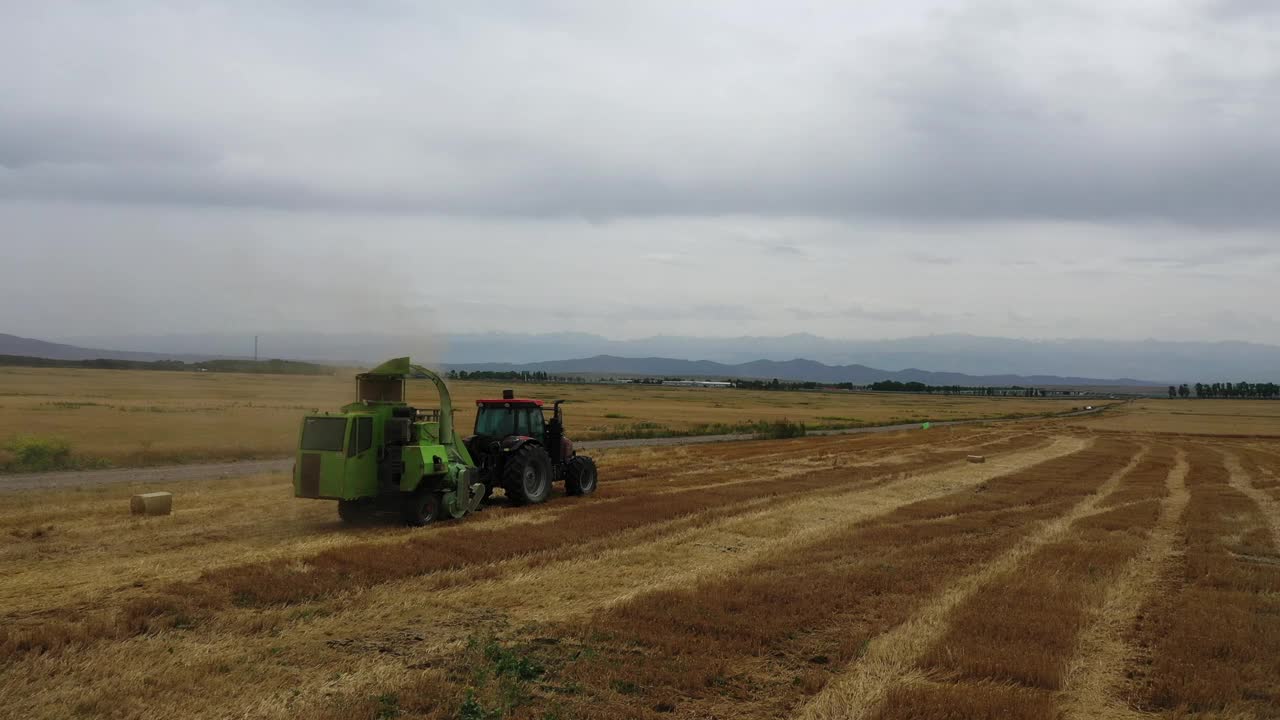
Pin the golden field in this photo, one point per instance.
(1195, 416)
(1074, 574)
(133, 417)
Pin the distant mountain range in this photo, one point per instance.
(28, 347)
(797, 370)
(1155, 360)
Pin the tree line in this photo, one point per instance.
(776, 384)
(1265, 391)
(513, 375)
(919, 387)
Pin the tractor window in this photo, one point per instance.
(522, 422)
(535, 423)
(363, 435)
(323, 433)
(493, 421)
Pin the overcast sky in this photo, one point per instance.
(1058, 168)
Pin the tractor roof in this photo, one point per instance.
(512, 402)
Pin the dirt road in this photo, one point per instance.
(210, 471)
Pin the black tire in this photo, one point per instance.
(527, 476)
(352, 512)
(422, 508)
(580, 476)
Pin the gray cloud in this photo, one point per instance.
(881, 315)
(847, 169)
(1208, 257)
(784, 249)
(1246, 10)
(932, 259)
(1065, 110)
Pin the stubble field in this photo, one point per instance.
(131, 418)
(1077, 573)
(1195, 417)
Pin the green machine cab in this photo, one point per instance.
(379, 453)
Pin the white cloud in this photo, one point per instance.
(849, 169)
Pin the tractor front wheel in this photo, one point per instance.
(422, 507)
(527, 476)
(580, 476)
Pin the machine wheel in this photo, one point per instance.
(422, 507)
(580, 476)
(527, 476)
(352, 512)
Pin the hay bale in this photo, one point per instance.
(977, 458)
(155, 503)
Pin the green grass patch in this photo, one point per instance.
(503, 679)
(68, 405)
(779, 429)
(35, 453)
(388, 707)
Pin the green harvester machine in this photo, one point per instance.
(380, 454)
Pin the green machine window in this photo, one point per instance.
(323, 434)
(363, 435)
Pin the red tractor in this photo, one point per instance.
(518, 448)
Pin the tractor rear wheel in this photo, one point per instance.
(527, 476)
(422, 507)
(580, 475)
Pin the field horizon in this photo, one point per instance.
(132, 418)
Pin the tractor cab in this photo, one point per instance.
(510, 417)
(513, 421)
(519, 446)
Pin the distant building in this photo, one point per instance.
(698, 383)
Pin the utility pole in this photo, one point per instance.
(255, 348)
